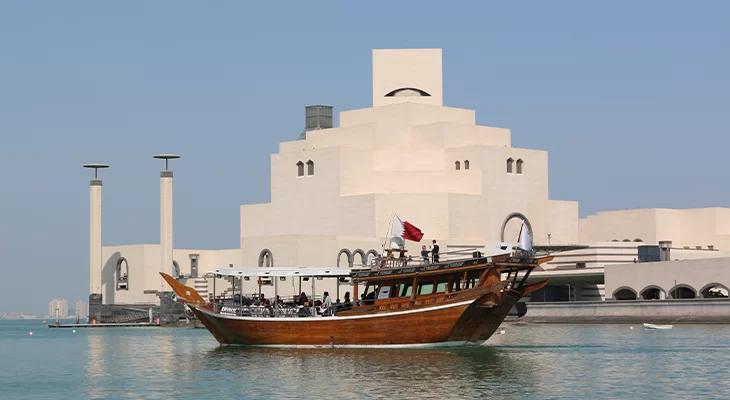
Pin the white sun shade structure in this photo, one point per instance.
(277, 273)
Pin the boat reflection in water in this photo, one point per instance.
(452, 303)
(477, 372)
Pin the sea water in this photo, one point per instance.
(526, 362)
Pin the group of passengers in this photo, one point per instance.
(434, 253)
(325, 306)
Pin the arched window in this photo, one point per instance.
(682, 292)
(519, 166)
(363, 257)
(408, 92)
(653, 293)
(510, 161)
(266, 259)
(122, 274)
(310, 167)
(175, 269)
(374, 259)
(624, 293)
(300, 168)
(638, 240)
(348, 257)
(457, 165)
(466, 164)
(626, 240)
(714, 290)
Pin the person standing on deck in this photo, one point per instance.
(424, 254)
(327, 304)
(435, 252)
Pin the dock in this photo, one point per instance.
(107, 325)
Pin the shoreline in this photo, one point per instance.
(679, 311)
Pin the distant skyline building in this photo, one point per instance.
(60, 304)
(81, 308)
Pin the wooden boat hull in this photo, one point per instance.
(456, 324)
(456, 320)
(406, 328)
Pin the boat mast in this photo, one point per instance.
(387, 232)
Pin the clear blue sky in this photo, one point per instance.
(630, 98)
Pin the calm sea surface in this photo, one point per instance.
(527, 362)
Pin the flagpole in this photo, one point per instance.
(387, 233)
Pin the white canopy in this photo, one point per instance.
(275, 272)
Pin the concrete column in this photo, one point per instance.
(95, 261)
(95, 258)
(166, 244)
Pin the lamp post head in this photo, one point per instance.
(96, 168)
(166, 157)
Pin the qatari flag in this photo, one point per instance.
(403, 230)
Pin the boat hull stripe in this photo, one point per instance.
(310, 319)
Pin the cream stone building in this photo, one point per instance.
(334, 192)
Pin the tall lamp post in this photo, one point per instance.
(166, 237)
(169, 310)
(95, 243)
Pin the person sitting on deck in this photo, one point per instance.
(303, 299)
(304, 310)
(369, 299)
(347, 302)
(327, 304)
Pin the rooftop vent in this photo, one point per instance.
(316, 117)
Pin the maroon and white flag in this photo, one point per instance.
(403, 230)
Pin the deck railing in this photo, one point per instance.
(416, 260)
(270, 311)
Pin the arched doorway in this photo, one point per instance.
(653, 293)
(511, 217)
(348, 259)
(266, 259)
(714, 291)
(374, 258)
(363, 257)
(122, 274)
(624, 293)
(682, 292)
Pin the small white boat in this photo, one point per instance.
(653, 326)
